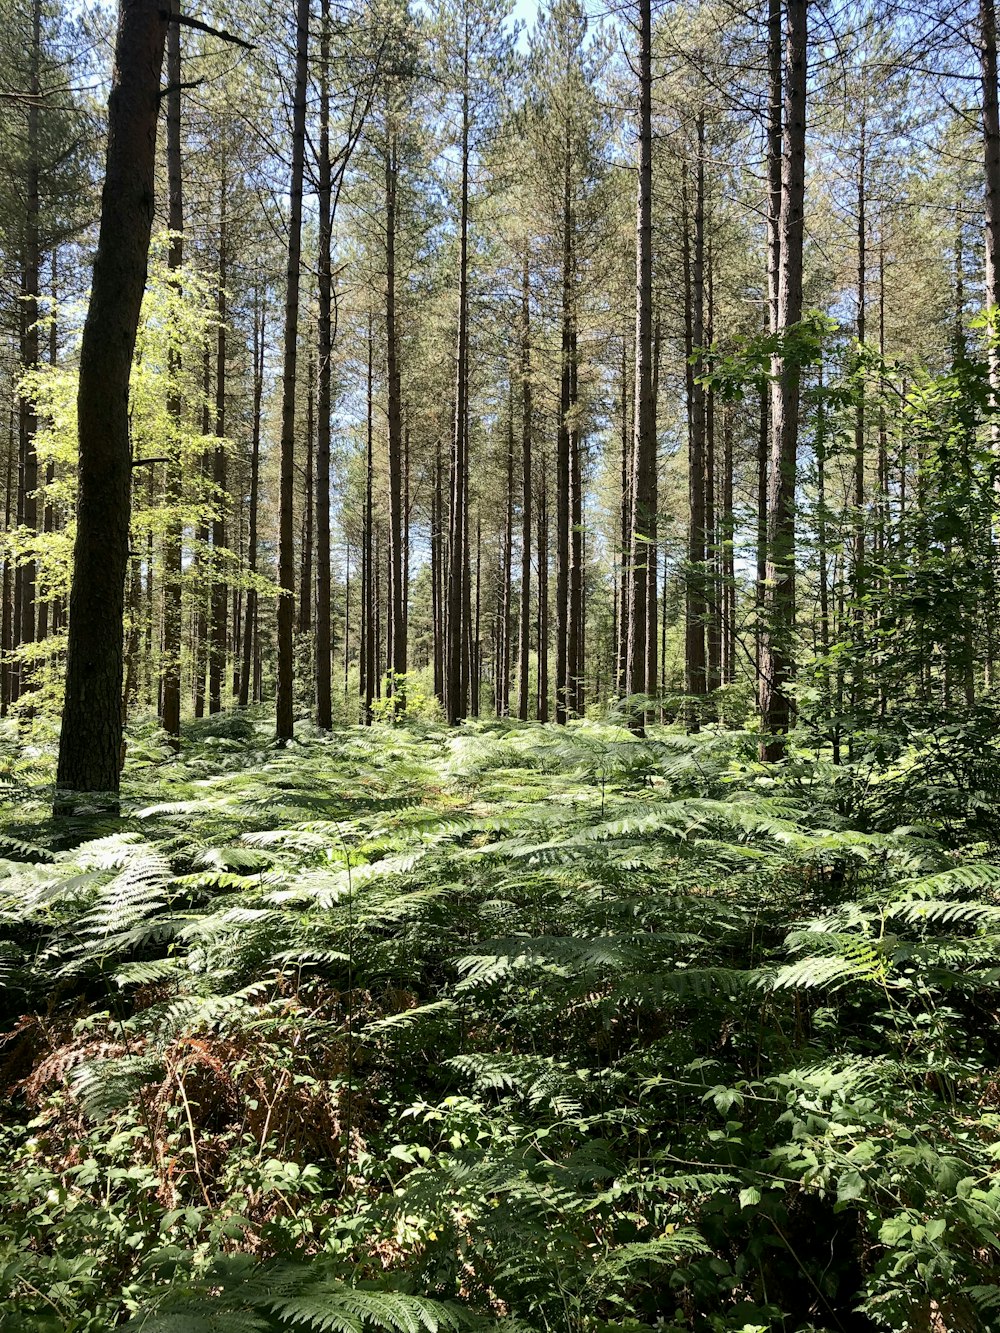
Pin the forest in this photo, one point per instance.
(499, 666)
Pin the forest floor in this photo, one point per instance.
(505, 1027)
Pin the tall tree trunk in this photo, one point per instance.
(90, 743)
(991, 162)
(524, 649)
(859, 579)
(643, 525)
(696, 605)
(728, 534)
(564, 452)
(303, 622)
(777, 649)
(369, 610)
(29, 313)
(625, 530)
(250, 624)
(458, 591)
(542, 706)
(394, 407)
(220, 591)
(502, 663)
(173, 561)
(437, 575)
(324, 662)
(7, 622)
(285, 725)
(202, 553)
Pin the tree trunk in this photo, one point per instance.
(542, 707)
(303, 622)
(324, 662)
(250, 624)
(29, 313)
(524, 649)
(643, 481)
(394, 406)
(285, 725)
(173, 560)
(458, 592)
(695, 602)
(90, 743)
(777, 649)
(369, 610)
(564, 454)
(220, 591)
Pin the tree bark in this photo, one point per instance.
(524, 649)
(220, 590)
(173, 562)
(90, 743)
(324, 663)
(458, 591)
(777, 648)
(250, 624)
(285, 724)
(643, 480)
(394, 406)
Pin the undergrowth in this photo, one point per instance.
(505, 1028)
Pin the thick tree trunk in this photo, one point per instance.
(285, 725)
(90, 744)
(777, 648)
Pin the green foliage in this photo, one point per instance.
(507, 1027)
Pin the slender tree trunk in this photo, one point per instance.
(625, 530)
(502, 664)
(564, 484)
(777, 655)
(859, 579)
(643, 525)
(202, 554)
(369, 610)
(90, 744)
(285, 725)
(250, 624)
(7, 623)
(29, 314)
(458, 591)
(542, 707)
(524, 650)
(303, 623)
(437, 575)
(728, 534)
(397, 597)
(173, 560)
(696, 605)
(991, 162)
(324, 648)
(220, 590)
